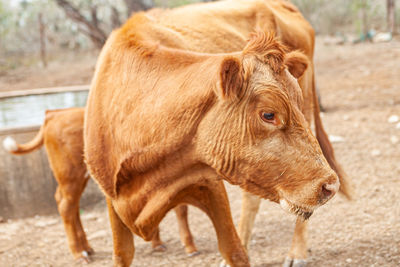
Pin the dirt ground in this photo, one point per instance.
(360, 89)
(65, 69)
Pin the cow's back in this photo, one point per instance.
(225, 26)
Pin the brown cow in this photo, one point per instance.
(62, 136)
(225, 26)
(164, 125)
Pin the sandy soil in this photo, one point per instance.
(360, 88)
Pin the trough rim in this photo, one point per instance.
(19, 129)
(42, 91)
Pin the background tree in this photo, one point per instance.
(81, 25)
(137, 5)
(89, 27)
(42, 35)
(391, 15)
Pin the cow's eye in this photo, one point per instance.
(268, 117)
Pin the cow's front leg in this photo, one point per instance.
(250, 206)
(124, 247)
(298, 252)
(214, 201)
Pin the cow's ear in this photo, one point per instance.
(231, 75)
(297, 63)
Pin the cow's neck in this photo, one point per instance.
(150, 195)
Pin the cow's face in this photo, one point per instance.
(255, 135)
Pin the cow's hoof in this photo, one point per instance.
(89, 251)
(192, 254)
(289, 262)
(160, 248)
(224, 264)
(84, 258)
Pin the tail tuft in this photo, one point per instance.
(9, 144)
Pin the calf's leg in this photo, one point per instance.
(123, 243)
(82, 236)
(181, 212)
(68, 208)
(87, 249)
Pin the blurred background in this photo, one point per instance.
(50, 33)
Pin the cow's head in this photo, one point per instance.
(255, 135)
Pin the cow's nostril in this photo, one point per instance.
(327, 191)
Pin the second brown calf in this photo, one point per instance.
(62, 136)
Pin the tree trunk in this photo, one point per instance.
(93, 13)
(115, 21)
(391, 20)
(87, 27)
(42, 40)
(137, 5)
(364, 18)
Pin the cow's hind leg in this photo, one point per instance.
(250, 206)
(214, 201)
(123, 243)
(156, 242)
(184, 230)
(68, 208)
(298, 252)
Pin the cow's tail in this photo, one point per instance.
(13, 147)
(345, 186)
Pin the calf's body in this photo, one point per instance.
(62, 136)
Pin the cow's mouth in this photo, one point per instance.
(303, 212)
